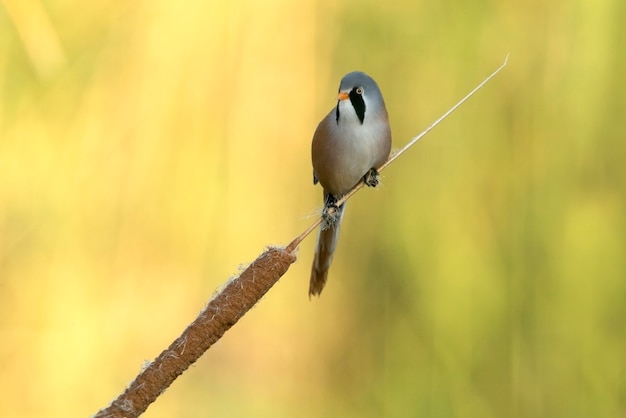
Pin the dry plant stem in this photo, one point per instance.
(445, 115)
(239, 295)
(294, 244)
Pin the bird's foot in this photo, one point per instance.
(331, 212)
(371, 178)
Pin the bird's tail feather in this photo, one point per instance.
(326, 244)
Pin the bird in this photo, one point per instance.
(349, 145)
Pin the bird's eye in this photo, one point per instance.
(359, 90)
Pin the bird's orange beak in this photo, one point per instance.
(343, 95)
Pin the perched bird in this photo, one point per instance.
(349, 144)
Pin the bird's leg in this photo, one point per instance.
(371, 178)
(331, 211)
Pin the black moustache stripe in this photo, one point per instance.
(358, 103)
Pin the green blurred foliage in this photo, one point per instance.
(149, 149)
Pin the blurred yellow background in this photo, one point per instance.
(149, 149)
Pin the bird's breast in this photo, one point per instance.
(343, 153)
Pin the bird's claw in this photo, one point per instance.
(331, 212)
(371, 178)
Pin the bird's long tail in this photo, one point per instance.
(326, 244)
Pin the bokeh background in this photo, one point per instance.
(148, 150)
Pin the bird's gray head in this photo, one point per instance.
(363, 94)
